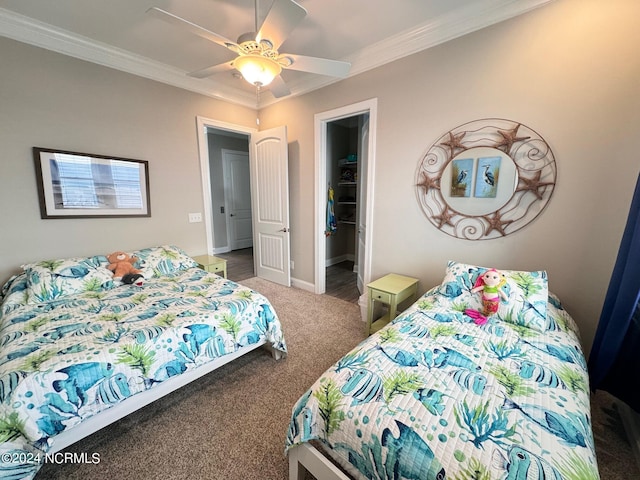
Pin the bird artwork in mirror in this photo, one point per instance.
(485, 179)
(460, 178)
(488, 174)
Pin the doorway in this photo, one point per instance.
(268, 189)
(345, 156)
(230, 188)
(346, 167)
(231, 213)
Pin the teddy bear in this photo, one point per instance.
(121, 264)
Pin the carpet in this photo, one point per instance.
(232, 423)
(615, 456)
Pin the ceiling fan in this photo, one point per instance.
(257, 57)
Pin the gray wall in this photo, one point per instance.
(54, 101)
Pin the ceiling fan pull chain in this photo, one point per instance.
(257, 103)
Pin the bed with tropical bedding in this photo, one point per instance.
(78, 351)
(435, 395)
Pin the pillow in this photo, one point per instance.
(527, 291)
(14, 294)
(53, 279)
(158, 261)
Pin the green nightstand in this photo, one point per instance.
(212, 264)
(391, 290)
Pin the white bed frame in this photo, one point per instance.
(305, 458)
(141, 399)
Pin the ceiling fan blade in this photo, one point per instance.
(207, 72)
(192, 27)
(278, 88)
(322, 66)
(283, 17)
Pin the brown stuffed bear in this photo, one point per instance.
(121, 264)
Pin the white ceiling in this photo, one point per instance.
(121, 35)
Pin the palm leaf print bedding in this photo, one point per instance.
(435, 396)
(67, 359)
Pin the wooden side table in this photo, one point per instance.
(212, 264)
(392, 289)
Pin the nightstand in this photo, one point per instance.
(392, 289)
(212, 264)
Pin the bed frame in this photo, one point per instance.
(305, 458)
(144, 398)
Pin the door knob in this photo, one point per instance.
(285, 230)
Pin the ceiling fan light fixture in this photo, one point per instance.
(257, 70)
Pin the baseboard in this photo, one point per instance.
(631, 422)
(339, 259)
(302, 285)
(226, 249)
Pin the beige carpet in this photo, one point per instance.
(615, 457)
(231, 424)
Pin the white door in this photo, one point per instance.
(362, 202)
(235, 166)
(270, 200)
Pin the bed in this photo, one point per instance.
(435, 395)
(78, 351)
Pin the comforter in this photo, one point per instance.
(67, 359)
(434, 395)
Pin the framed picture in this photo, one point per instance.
(84, 185)
(461, 177)
(488, 174)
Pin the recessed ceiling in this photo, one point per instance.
(367, 33)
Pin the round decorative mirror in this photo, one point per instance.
(486, 179)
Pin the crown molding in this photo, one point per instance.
(475, 16)
(439, 30)
(27, 30)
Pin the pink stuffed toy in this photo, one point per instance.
(490, 283)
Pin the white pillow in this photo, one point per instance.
(527, 291)
(158, 261)
(52, 279)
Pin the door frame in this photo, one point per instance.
(202, 123)
(320, 126)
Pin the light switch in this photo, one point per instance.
(195, 217)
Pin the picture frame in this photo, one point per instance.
(86, 185)
(461, 177)
(487, 177)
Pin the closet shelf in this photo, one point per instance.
(347, 163)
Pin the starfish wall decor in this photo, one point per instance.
(509, 138)
(524, 172)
